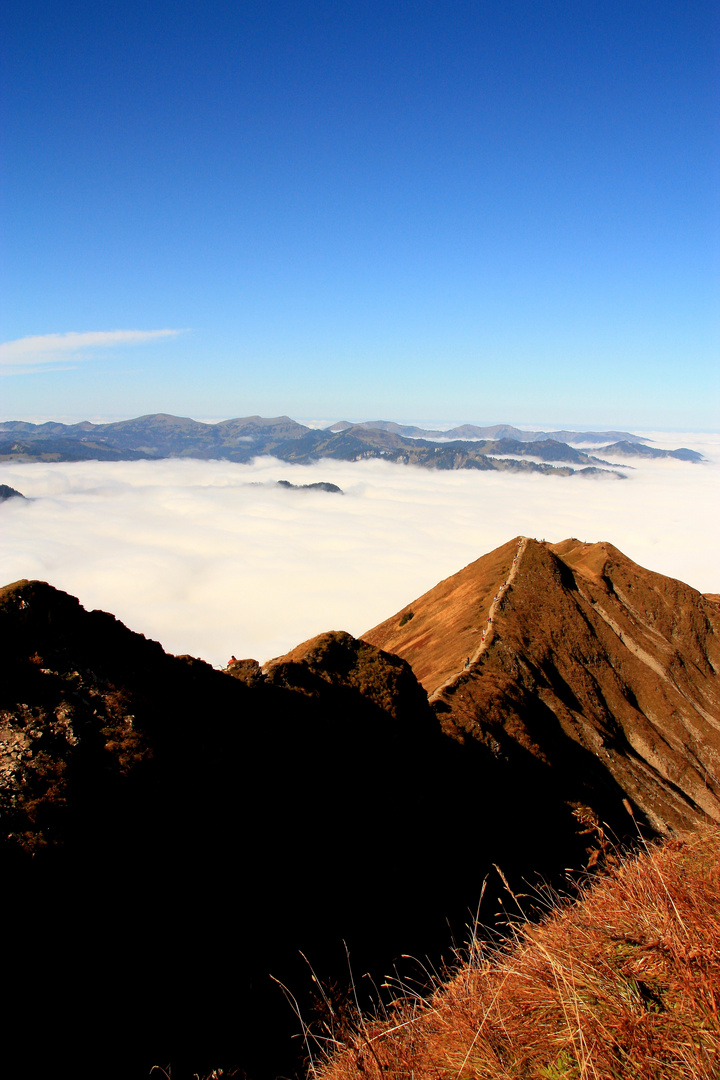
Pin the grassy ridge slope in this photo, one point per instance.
(624, 982)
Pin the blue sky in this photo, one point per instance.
(454, 211)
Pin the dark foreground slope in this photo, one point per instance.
(173, 836)
(573, 662)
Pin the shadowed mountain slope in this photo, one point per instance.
(336, 663)
(590, 664)
(175, 836)
(636, 449)
(356, 442)
(158, 435)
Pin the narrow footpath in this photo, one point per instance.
(488, 631)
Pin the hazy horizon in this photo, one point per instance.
(210, 559)
(410, 421)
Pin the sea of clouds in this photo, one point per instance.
(210, 558)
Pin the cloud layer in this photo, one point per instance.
(195, 555)
(49, 348)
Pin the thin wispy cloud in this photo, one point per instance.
(195, 555)
(29, 352)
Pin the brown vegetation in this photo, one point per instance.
(448, 621)
(624, 982)
(572, 655)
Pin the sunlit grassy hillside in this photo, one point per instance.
(622, 983)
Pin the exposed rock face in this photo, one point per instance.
(574, 655)
(247, 671)
(7, 492)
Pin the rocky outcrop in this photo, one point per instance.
(334, 665)
(247, 671)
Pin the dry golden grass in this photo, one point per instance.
(622, 983)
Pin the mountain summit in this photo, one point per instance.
(574, 657)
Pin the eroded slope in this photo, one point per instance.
(594, 666)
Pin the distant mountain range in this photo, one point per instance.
(497, 448)
(173, 836)
(495, 431)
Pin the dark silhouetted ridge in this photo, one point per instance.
(173, 836)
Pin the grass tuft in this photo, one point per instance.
(622, 982)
